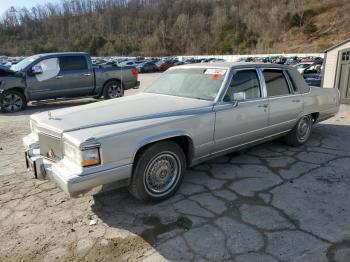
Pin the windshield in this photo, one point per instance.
(24, 63)
(199, 83)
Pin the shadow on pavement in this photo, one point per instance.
(207, 211)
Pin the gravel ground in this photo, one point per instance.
(268, 203)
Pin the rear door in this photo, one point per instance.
(285, 104)
(247, 120)
(76, 76)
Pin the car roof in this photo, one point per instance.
(232, 65)
(62, 53)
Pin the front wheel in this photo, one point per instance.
(158, 172)
(13, 101)
(113, 89)
(301, 132)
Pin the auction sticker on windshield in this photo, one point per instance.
(215, 71)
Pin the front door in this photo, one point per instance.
(344, 77)
(246, 121)
(46, 84)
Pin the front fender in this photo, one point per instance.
(7, 83)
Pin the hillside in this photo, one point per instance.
(161, 27)
(332, 19)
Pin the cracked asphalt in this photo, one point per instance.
(265, 204)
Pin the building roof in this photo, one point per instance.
(337, 45)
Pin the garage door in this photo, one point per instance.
(344, 76)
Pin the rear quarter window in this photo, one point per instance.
(276, 83)
(73, 63)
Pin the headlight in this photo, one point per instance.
(90, 157)
(86, 156)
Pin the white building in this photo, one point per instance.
(336, 69)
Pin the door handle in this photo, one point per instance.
(87, 74)
(263, 105)
(296, 100)
(59, 77)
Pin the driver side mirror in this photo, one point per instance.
(37, 69)
(240, 96)
(237, 97)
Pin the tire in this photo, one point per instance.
(13, 101)
(113, 89)
(301, 132)
(158, 172)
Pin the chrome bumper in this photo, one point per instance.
(70, 182)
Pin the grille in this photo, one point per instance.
(50, 147)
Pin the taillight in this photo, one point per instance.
(135, 73)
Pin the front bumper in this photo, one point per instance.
(69, 181)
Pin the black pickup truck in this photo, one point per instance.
(61, 75)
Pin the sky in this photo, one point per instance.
(6, 4)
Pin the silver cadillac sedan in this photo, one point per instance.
(191, 113)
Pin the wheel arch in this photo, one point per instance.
(19, 89)
(182, 139)
(113, 79)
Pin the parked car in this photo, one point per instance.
(190, 114)
(311, 59)
(292, 60)
(309, 68)
(147, 67)
(281, 60)
(313, 79)
(61, 75)
(313, 74)
(302, 66)
(314, 68)
(167, 64)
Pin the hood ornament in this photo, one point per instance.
(51, 117)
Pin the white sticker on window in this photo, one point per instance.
(216, 71)
(50, 68)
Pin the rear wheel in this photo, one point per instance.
(13, 101)
(301, 132)
(158, 172)
(113, 89)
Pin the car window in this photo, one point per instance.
(246, 81)
(72, 63)
(276, 83)
(50, 68)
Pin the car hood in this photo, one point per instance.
(5, 71)
(140, 107)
